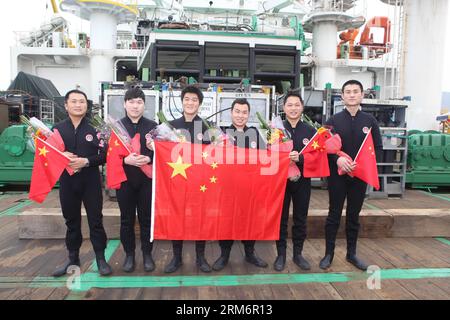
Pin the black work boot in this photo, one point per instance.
(326, 261)
(149, 264)
(358, 263)
(300, 261)
(74, 260)
(174, 264)
(280, 262)
(202, 264)
(253, 259)
(221, 262)
(129, 263)
(104, 269)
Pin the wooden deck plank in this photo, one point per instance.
(150, 294)
(443, 284)
(424, 257)
(323, 291)
(409, 252)
(4, 293)
(371, 256)
(433, 246)
(421, 201)
(300, 291)
(59, 294)
(397, 257)
(424, 289)
(393, 290)
(355, 290)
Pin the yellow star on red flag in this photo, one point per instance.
(43, 151)
(315, 145)
(179, 168)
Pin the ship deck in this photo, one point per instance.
(411, 266)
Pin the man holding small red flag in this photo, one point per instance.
(134, 190)
(353, 126)
(86, 152)
(366, 163)
(298, 190)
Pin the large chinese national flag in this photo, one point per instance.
(48, 165)
(366, 163)
(315, 156)
(200, 193)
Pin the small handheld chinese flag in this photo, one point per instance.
(57, 141)
(115, 174)
(48, 165)
(366, 163)
(315, 156)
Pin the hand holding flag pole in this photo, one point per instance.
(365, 160)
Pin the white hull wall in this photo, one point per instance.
(65, 77)
(424, 61)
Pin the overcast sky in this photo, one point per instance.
(24, 15)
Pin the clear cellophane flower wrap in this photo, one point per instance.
(278, 139)
(36, 128)
(333, 146)
(217, 136)
(165, 131)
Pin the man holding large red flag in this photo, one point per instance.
(243, 137)
(298, 191)
(86, 153)
(194, 130)
(352, 125)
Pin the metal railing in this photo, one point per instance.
(62, 39)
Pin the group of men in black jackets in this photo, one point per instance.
(87, 152)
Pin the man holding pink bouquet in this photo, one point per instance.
(135, 194)
(298, 189)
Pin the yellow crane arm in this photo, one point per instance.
(54, 6)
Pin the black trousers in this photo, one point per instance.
(225, 246)
(300, 193)
(340, 188)
(177, 246)
(83, 187)
(134, 197)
